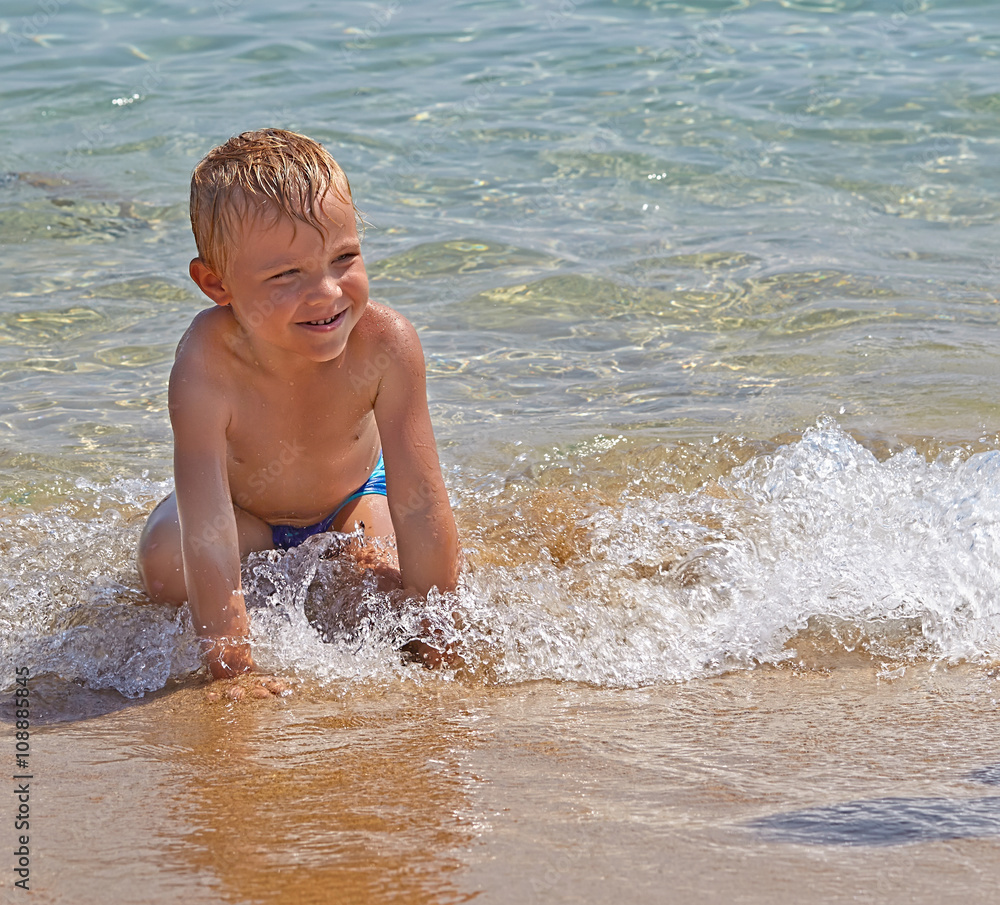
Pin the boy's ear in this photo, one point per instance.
(209, 282)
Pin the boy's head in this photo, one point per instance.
(267, 173)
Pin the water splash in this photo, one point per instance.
(71, 596)
(607, 565)
(799, 555)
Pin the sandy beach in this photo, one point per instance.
(435, 792)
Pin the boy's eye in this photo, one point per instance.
(284, 273)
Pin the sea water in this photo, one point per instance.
(646, 246)
(599, 570)
(707, 293)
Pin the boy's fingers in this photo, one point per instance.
(247, 687)
(430, 656)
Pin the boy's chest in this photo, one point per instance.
(298, 425)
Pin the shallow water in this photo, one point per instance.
(593, 563)
(547, 792)
(708, 296)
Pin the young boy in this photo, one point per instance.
(297, 404)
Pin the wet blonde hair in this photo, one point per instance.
(268, 172)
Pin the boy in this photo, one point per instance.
(297, 404)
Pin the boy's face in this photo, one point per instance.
(293, 288)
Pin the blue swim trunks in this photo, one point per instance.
(285, 536)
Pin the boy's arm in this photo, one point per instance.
(209, 542)
(426, 538)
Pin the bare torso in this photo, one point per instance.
(296, 446)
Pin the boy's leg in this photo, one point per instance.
(372, 510)
(160, 565)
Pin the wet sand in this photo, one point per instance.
(436, 791)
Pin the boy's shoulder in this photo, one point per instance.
(212, 333)
(388, 344)
(210, 325)
(383, 329)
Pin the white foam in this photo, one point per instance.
(901, 556)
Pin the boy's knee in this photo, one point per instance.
(161, 567)
(156, 541)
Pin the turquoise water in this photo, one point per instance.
(647, 245)
(708, 293)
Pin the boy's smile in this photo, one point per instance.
(292, 288)
(328, 323)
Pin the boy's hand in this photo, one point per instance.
(431, 657)
(230, 662)
(249, 687)
(432, 648)
(227, 658)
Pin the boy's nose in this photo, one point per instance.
(327, 288)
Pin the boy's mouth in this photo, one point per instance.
(324, 322)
